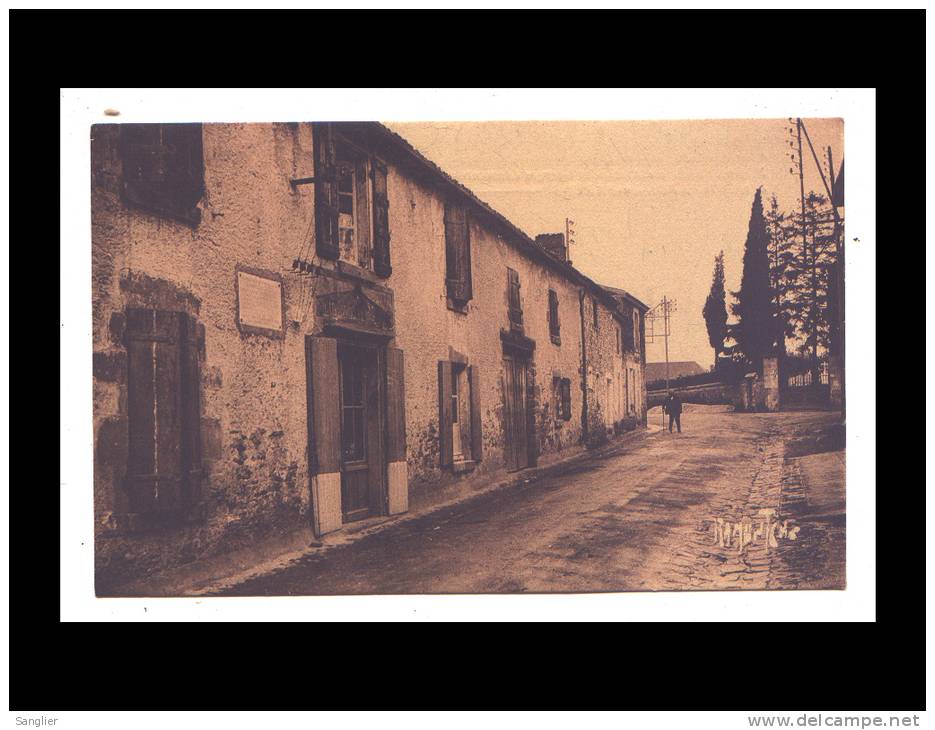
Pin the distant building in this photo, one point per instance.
(656, 371)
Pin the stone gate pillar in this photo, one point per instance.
(771, 383)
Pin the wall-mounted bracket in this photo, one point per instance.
(296, 181)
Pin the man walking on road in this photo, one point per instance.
(673, 406)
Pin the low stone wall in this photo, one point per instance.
(709, 394)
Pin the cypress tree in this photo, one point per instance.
(755, 330)
(715, 309)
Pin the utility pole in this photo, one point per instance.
(665, 310)
(813, 314)
(839, 286)
(798, 126)
(810, 264)
(662, 312)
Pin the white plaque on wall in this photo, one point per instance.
(259, 302)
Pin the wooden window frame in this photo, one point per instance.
(360, 167)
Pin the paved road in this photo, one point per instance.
(639, 517)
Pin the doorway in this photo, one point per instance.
(361, 405)
(514, 395)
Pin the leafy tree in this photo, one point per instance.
(715, 309)
(801, 268)
(755, 330)
(783, 272)
(810, 273)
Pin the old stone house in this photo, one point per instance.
(301, 325)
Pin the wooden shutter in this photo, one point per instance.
(554, 326)
(629, 343)
(445, 443)
(466, 278)
(186, 168)
(163, 168)
(515, 302)
(191, 340)
(532, 439)
(381, 221)
(142, 156)
(154, 410)
(509, 419)
(638, 335)
(395, 406)
(566, 398)
(363, 231)
(477, 436)
(326, 192)
(324, 417)
(457, 253)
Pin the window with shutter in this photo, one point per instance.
(459, 415)
(629, 343)
(163, 168)
(457, 254)
(351, 200)
(515, 306)
(566, 399)
(554, 326)
(164, 412)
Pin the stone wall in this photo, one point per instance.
(427, 330)
(253, 405)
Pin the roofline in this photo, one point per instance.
(518, 238)
(636, 302)
(616, 292)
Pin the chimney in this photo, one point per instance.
(554, 244)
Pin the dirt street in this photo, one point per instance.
(660, 512)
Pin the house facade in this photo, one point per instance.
(298, 325)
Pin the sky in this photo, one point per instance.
(653, 201)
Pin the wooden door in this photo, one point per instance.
(514, 391)
(361, 397)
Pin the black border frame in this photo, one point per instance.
(874, 666)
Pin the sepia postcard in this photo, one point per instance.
(478, 357)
